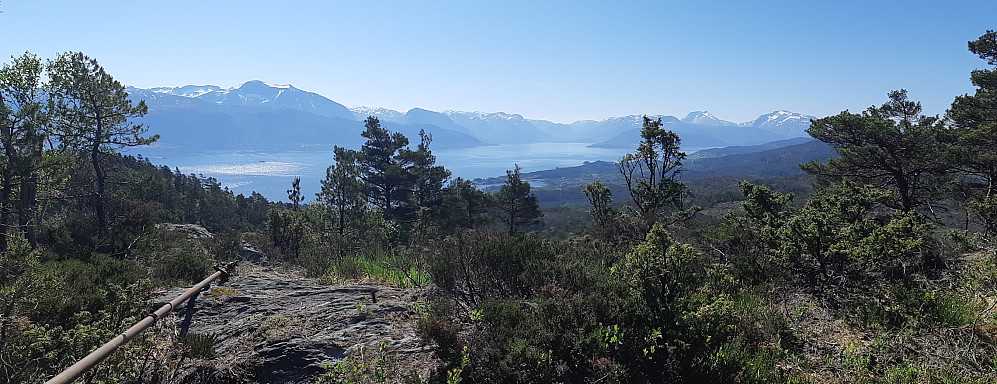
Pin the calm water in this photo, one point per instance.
(271, 173)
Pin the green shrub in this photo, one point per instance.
(364, 365)
(317, 260)
(941, 308)
(985, 210)
(529, 309)
(659, 314)
(184, 265)
(64, 288)
(471, 266)
(226, 245)
(437, 323)
(199, 345)
(907, 307)
(59, 311)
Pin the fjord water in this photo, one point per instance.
(271, 173)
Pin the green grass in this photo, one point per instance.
(389, 268)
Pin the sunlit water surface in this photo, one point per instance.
(271, 173)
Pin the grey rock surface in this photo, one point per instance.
(192, 231)
(275, 326)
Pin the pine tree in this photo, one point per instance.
(974, 123)
(93, 114)
(385, 172)
(294, 194)
(892, 147)
(342, 190)
(23, 130)
(464, 205)
(429, 178)
(521, 208)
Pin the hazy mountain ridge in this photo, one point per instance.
(776, 159)
(241, 118)
(783, 122)
(742, 149)
(261, 94)
(704, 118)
(263, 118)
(778, 125)
(254, 110)
(361, 112)
(562, 186)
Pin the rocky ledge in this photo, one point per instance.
(274, 326)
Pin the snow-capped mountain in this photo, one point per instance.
(258, 93)
(263, 116)
(698, 129)
(786, 123)
(192, 91)
(483, 116)
(499, 127)
(419, 116)
(705, 118)
(361, 113)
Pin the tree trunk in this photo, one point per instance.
(342, 219)
(29, 200)
(29, 191)
(512, 216)
(101, 177)
(5, 211)
(7, 190)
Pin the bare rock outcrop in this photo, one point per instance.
(274, 326)
(192, 231)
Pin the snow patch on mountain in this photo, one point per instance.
(280, 86)
(191, 91)
(490, 127)
(780, 117)
(251, 91)
(383, 114)
(705, 118)
(786, 123)
(484, 116)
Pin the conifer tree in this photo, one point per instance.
(342, 190)
(94, 115)
(294, 194)
(973, 120)
(892, 147)
(428, 177)
(520, 206)
(464, 205)
(384, 171)
(24, 122)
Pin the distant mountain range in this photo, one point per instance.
(781, 159)
(702, 130)
(777, 159)
(269, 116)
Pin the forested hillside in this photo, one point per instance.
(883, 269)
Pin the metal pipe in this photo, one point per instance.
(98, 355)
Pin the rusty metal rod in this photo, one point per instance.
(98, 355)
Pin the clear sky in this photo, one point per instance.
(556, 60)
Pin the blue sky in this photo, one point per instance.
(561, 61)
